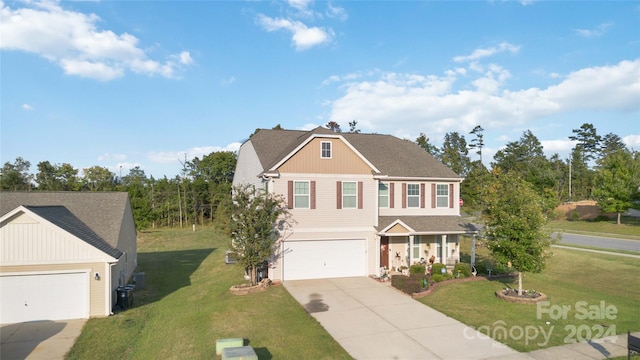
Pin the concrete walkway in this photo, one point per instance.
(372, 320)
(39, 340)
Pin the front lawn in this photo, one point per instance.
(186, 305)
(629, 229)
(583, 283)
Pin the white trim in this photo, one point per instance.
(418, 206)
(441, 196)
(396, 222)
(45, 272)
(415, 179)
(308, 182)
(349, 195)
(322, 150)
(324, 136)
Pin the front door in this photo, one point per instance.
(384, 251)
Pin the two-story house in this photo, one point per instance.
(358, 202)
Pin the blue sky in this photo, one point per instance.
(145, 83)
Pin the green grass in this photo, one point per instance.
(570, 277)
(628, 229)
(187, 305)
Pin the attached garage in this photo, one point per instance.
(55, 296)
(324, 259)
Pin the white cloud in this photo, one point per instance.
(303, 37)
(403, 104)
(166, 157)
(336, 12)
(478, 54)
(72, 40)
(27, 107)
(557, 146)
(110, 156)
(632, 141)
(228, 81)
(597, 32)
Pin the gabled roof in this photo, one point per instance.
(99, 215)
(64, 219)
(423, 225)
(392, 156)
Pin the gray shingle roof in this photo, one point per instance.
(426, 224)
(102, 212)
(64, 219)
(390, 155)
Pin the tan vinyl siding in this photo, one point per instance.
(24, 240)
(397, 229)
(428, 192)
(343, 160)
(97, 294)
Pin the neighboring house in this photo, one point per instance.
(63, 254)
(359, 202)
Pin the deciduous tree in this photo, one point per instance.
(257, 220)
(515, 220)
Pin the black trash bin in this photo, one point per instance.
(124, 296)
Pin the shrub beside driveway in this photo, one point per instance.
(187, 305)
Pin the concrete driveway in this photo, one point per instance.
(39, 340)
(372, 320)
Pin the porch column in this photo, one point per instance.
(411, 239)
(473, 250)
(445, 250)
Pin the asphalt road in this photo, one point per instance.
(600, 242)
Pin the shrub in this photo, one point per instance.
(411, 286)
(417, 269)
(574, 215)
(463, 269)
(436, 269)
(397, 281)
(437, 278)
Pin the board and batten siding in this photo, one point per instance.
(343, 160)
(27, 241)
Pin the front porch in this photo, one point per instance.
(420, 240)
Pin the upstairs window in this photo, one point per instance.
(442, 195)
(349, 195)
(325, 150)
(413, 195)
(301, 194)
(383, 195)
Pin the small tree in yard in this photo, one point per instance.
(257, 217)
(514, 219)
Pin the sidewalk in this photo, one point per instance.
(605, 348)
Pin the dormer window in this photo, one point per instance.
(325, 150)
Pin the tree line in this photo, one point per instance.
(193, 197)
(601, 168)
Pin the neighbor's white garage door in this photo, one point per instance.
(44, 297)
(324, 259)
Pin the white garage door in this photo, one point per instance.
(44, 297)
(324, 259)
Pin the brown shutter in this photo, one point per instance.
(359, 194)
(433, 195)
(312, 194)
(404, 195)
(392, 194)
(339, 195)
(451, 195)
(290, 195)
(422, 195)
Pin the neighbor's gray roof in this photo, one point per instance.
(390, 155)
(430, 224)
(102, 212)
(64, 219)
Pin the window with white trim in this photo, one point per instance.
(442, 195)
(349, 194)
(325, 149)
(416, 248)
(383, 195)
(301, 195)
(413, 195)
